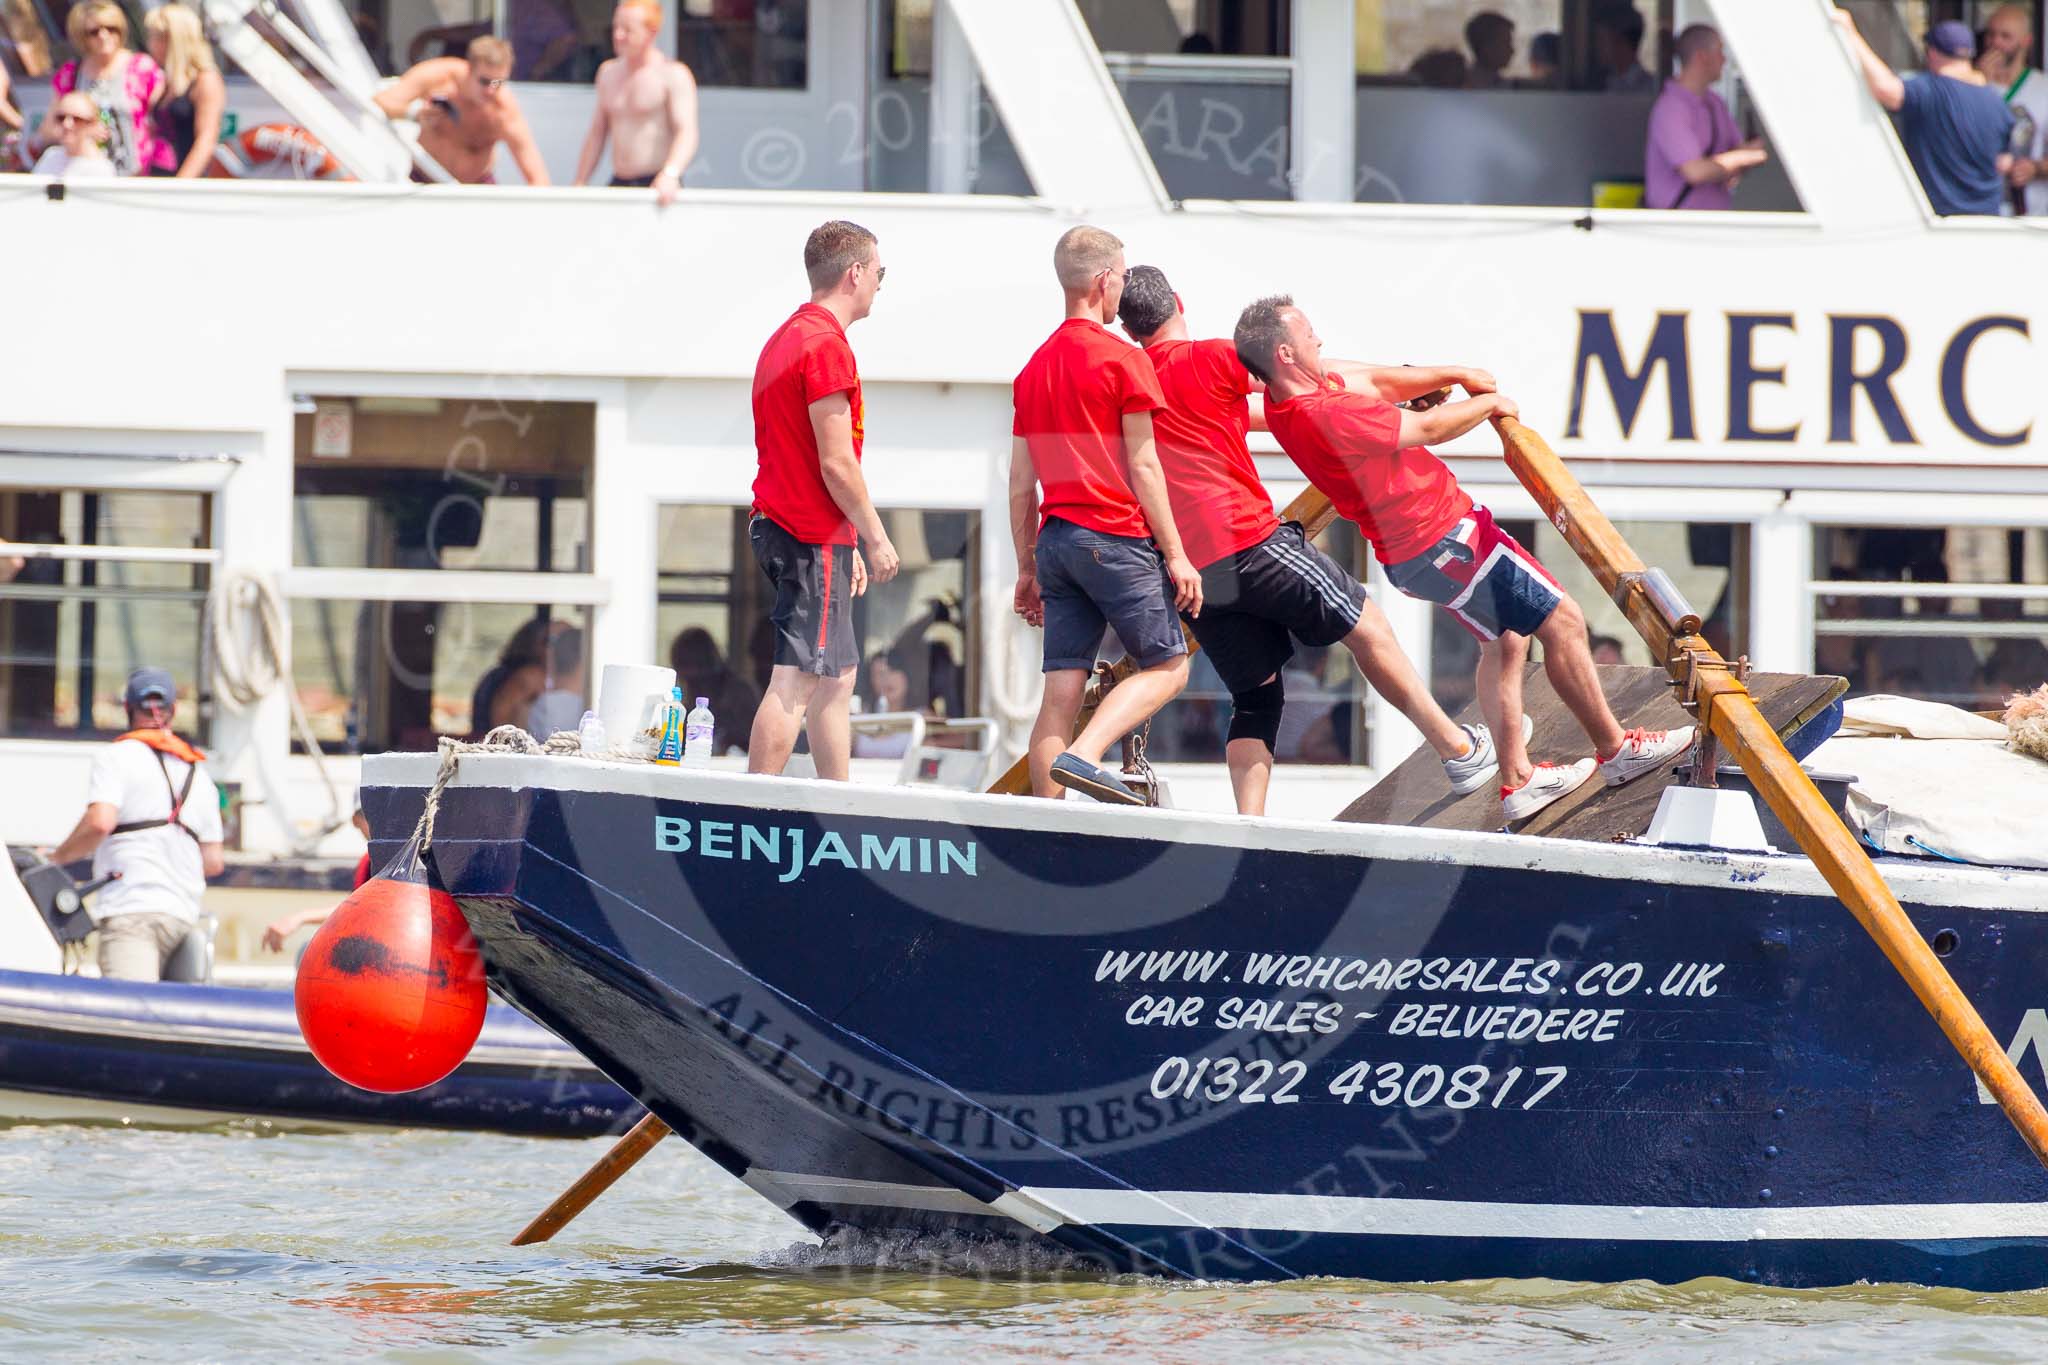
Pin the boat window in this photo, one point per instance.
(442, 484)
(757, 44)
(1709, 561)
(374, 676)
(1955, 614)
(94, 583)
(921, 640)
(898, 143)
(1527, 102)
(1209, 87)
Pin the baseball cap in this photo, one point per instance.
(1952, 38)
(149, 682)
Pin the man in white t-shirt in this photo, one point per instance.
(2008, 39)
(153, 816)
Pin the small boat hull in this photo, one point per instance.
(1234, 1049)
(80, 1049)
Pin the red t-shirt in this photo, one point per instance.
(807, 359)
(1070, 401)
(1348, 445)
(1218, 502)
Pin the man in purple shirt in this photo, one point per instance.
(1694, 154)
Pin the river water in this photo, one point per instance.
(212, 1245)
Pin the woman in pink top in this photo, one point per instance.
(126, 85)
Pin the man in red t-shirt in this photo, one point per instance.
(1368, 456)
(1263, 584)
(1100, 549)
(811, 505)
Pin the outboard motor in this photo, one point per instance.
(59, 899)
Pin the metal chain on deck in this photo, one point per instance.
(1137, 765)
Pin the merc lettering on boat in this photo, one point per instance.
(783, 847)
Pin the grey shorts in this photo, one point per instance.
(137, 947)
(1088, 580)
(813, 611)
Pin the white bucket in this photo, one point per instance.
(629, 700)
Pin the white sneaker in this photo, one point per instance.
(1550, 782)
(1642, 750)
(1476, 769)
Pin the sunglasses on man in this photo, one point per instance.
(75, 120)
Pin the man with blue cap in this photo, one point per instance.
(1956, 128)
(152, 816)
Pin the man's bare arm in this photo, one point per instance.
(1024, 506)
(525, 151)
(1148, 484)
(832, 425)
(682, 116)
(1399, 383)
(1884, 82)
(600, 131)
(399, 96)
(88, 834)
(212, 861)
(1449, 421)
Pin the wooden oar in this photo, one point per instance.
(1710, 685)
(638, 1142)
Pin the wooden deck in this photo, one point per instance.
(1415, 793)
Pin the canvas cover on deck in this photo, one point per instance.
(1971, 799)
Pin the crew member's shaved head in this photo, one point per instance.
(1262, 329)
(833, 248)
(1148, 303)
(1083, 253)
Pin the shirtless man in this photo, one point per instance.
(646, 104)
(465, 111)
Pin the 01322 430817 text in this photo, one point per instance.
(1523, 1000)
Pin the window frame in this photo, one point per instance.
(49, 470)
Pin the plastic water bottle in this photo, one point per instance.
(670, 751)
(697, 735)
(590, 736)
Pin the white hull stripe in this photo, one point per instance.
(1044, 1208)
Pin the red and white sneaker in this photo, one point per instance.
(1549, 782)
(1642, 750)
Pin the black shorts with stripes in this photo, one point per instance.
(1257, 602)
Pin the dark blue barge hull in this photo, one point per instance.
(82, 1048)
(1261, 1049)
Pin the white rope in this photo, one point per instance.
(247, 670)
(506, 739)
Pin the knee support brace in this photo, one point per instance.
(1255, 712)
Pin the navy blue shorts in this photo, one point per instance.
(1089, 580)
(813, 611)
(1481, 575)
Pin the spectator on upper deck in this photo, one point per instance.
(1440, 68)
(1546, 60)
(646, 106)
(1955, 126)
(560, 704)
(1694, 156)
(2008, 41)
(465, 111)
(10, 117)
(1491, 37)
(81, 145)
(125, 85)
(187, 116)
(1617, 50)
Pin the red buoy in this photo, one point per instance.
(390, 992)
